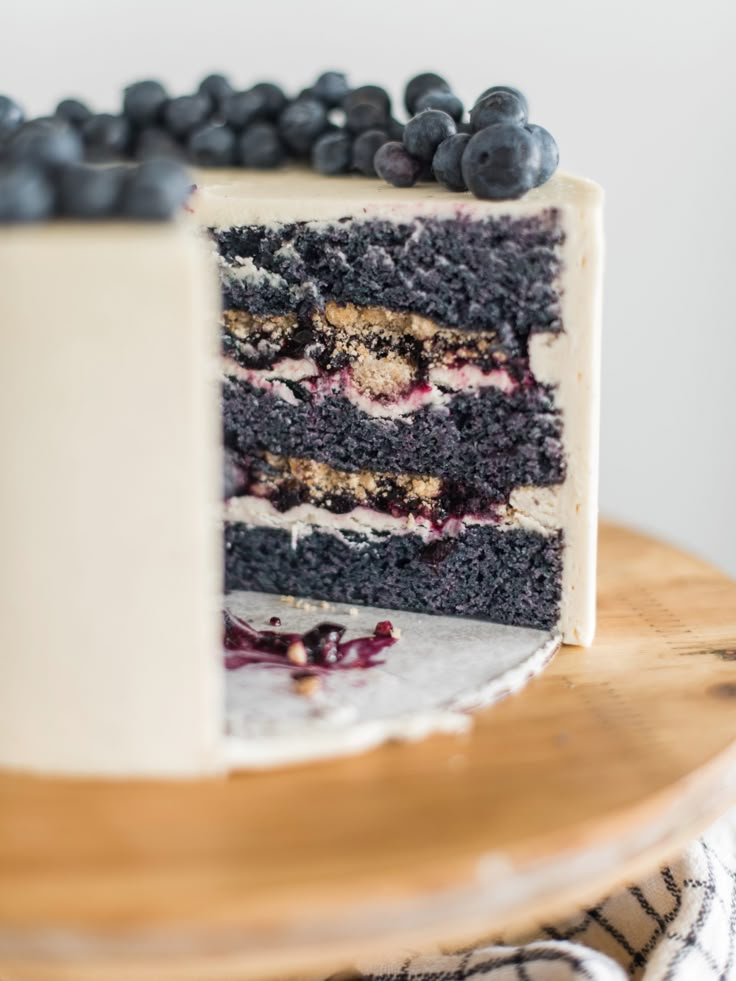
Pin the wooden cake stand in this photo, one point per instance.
(603, 766)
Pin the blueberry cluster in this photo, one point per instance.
(81, 164)
(498, 154)
(46, 172)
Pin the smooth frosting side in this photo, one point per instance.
(110, 578)
(570, 361)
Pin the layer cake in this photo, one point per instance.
(410, 394)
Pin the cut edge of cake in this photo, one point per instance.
(568, 359)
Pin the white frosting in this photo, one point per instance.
(236, 197)
(571, 362)
(438, 392)
(110, 575)
(531, 508)
(245, 270)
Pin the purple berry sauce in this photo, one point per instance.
(326, 650)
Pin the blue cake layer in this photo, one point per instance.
(488, 438)
(473, 274)
(511, 576)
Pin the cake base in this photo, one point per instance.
(440, 669)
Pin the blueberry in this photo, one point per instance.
(260, 146)
(417, 86)
(26, 193)
(365, 148)
(395, 164)
(73, 111)
(155, 190)
(216, 88)
(332, 153)
(365, 115)
(505, 88)
(500, 105)
(274, 100)
(11, 116)
(144, 101)
(501, 162)
(106, 137)
(243, 108)
(424, 133)
(212, 145)
(322, 643)
(440, 99)
(549, 154)
(373, 94)
(154, 143)
(437, 551)
(331, 88)
(447, 161)
(45, 142)
(86, 191)
(185, 113)
(301, 123)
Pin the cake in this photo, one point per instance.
(409, 395)
(402, 415)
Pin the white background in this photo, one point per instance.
(640, 96)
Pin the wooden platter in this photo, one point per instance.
(600, 768)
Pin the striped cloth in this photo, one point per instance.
(679, 924)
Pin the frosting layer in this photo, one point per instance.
(532, 508)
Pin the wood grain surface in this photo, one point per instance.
(600, 768)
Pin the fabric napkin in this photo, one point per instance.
(678, 924)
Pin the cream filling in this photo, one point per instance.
(533, 509)
(443, 382)
(245, 270)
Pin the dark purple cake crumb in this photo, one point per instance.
(507, 269)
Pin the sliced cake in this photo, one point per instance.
(410, 394)
(407, 390)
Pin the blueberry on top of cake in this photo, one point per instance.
(337, 129)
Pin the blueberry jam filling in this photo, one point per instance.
(319, 650)
(277, 480)
(261, 349)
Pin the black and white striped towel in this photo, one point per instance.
(679, 924)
